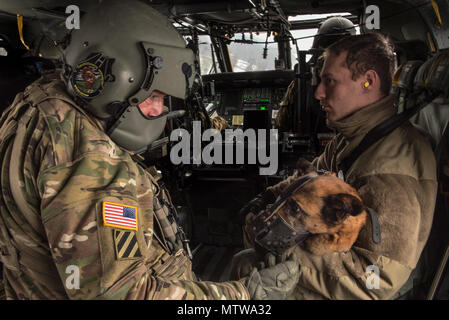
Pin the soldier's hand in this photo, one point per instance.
(273, 281)
(258, 203)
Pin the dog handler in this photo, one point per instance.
(79, 217)
(395, 176)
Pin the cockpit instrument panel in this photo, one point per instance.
(236, 95)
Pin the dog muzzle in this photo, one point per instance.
(277, 230)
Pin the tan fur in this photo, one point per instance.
(342, 232)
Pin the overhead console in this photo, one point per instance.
(248, 99)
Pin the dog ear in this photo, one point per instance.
(353, 204)
(338, 206)
(304, 167)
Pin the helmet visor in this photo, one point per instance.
(169, 71)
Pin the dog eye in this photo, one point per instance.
(292, 208)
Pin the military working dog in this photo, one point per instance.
(324, 213)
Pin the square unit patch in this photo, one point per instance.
(126, 245)
(119, 216)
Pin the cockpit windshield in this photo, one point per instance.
(258, 51)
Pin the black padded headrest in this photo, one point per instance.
(438, 79)
(422, 74)
(407, 75)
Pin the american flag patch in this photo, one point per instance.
(119, 215)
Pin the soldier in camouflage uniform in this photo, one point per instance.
(63, 167)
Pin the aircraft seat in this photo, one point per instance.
(433, 77)
(403, 81)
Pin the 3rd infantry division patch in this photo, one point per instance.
(126, 245)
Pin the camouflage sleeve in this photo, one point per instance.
(98, 257)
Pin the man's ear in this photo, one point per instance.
(371, 78)
(304, 167)
(337, 206)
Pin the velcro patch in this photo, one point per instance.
(119, 215)
(126, 245)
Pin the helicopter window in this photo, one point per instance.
(253, 51)
(304, 41)
(244, 56)
(250, 57)
(317, 16)
(206, 60)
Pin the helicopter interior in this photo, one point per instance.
(248, 53)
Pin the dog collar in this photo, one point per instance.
(377, 238)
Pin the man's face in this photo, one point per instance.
(338, 93)
(153, 105)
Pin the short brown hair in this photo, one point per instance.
(371, 51)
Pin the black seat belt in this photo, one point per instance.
(374, 135)
(383, 129)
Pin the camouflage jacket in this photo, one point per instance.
(396, 177)
(58, 172)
